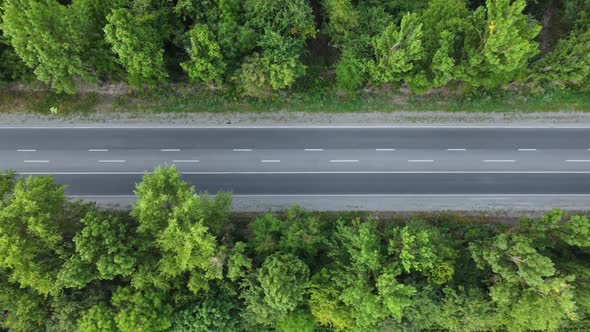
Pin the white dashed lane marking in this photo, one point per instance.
(420, 161)
(344, 161)
(313, 150)
(36, 161)
(577, 161)
(98, 150)
(270, 161)
(456, 149)
(26, 150)
(185, 161)
(112, 161)
(242, 150)
(170, 150)
(527, 149)
(384, 149)
(499, 161)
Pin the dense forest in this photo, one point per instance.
(181, 261)
(258, 47)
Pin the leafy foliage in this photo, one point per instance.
(139, 45)
(66, 266)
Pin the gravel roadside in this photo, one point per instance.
(112, 119)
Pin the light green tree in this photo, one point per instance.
(97, 318)
(63, 44)
(398, 52)
(528, 292)
(175, 239)
(506, 45)
(206, 61)
(279, 287)
(138, 40)
(105, 249)
(422, 248)
(145, 310)
(32, 228)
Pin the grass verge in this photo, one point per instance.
(189, 101)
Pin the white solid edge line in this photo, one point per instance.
(112, 161)
(499, 161)
(98, 150)
(527, 149)
(305, 127)
(384, 149)
(344, 161)
(270, 161)
(35, 161)
(420, 161)
(26, 150)
(310, 172)
(577, 161)
(360, 195)
(242, 150)
(313, 150)
(456, 149)
(170, 150)
(186, 161)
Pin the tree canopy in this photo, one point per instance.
(257, 48)
(173, 263)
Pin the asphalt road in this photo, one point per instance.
(310, 161)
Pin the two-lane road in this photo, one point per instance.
(310, 161)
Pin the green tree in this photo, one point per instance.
(176, 240)
(146, 310)
(446, 26)
(282, 30)
(105, 249)
(215, 313)
(567, 66)
(138, 41)
(280, 286)
(206, 62)
(528, 292)
(62, 44)
(421, 247)
(398, 52)
(33, 229)
(23, 309)
(98, 318)
(42, 35)
(506, 45)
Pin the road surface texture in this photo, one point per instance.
(373, 168)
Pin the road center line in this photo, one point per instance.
(527, 149)
(112, 161)
(36, 161)
(26, 150)
(242, 150)
(344, 161)
(186, 161)
(270, 161)
(384, 149)
(313, 150)
(456, 149)
(98, 150)
(170, 150)
(420, 161)
(577, 161)
(499, 161)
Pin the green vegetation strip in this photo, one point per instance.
(266, 49)
(183, 262)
